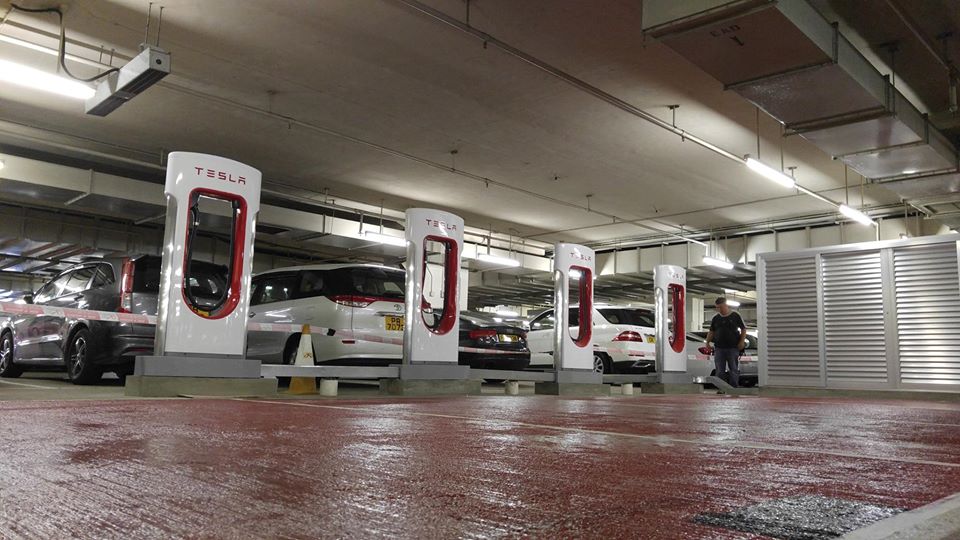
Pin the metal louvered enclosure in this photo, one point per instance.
(877, 315)
(793, 344)
(928, 314)
(853, 318)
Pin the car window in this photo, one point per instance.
(274, 288)
(79, 279)
(207, 280)
(574, 317)
(51, 290)
(544, 321)
(631, 316)
(311, 284)
(366, 281)
(103, 276)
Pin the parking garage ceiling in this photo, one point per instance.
(376, 103)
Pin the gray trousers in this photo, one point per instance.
(727, 362)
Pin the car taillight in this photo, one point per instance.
(126, 287)
(481, 334)
(353, 300)
(629, 336)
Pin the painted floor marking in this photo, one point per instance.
(29, 385)
(651, 438)
(806, 415)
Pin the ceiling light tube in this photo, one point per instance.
(770, 173)
(41, 80)
(733, 303)
(505, 261)
(508, 313)
(385, 239)
(718, 263)
(856, 215)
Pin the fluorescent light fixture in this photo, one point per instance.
(770, 173)
(505, 261)
(385, 239)
(508, 313)
(718, 263)
(733, 303)
(733, 291)
(41, 80)
(856, 215)
(2, 164)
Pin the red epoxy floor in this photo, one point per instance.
(487, 466)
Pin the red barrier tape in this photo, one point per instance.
(10, 308)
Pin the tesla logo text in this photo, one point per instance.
(441, 224)
(581, 256)
(220, 175)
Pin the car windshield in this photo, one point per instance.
(366, 281)
(631, 316)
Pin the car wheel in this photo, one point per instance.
(80, 369)
(7, 367)
(600, 363)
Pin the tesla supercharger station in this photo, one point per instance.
(573, 354)
(202, 332)
(431, 334)
(670, 291)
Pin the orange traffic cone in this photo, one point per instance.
(304, 385)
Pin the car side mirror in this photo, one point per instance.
(28, 298)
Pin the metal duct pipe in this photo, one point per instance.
(569, 79)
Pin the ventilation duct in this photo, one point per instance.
(784, 57)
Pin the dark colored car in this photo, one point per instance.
(479, 332)
(88, 348)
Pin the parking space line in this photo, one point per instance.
(29, 385)
(805, 415)
(657, 439)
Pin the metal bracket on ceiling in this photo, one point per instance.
(85, 194)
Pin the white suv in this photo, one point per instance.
(363, 298)
(625, 336)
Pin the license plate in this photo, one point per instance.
(393, 324)
(508, 338)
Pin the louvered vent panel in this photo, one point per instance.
(853, 319)
(928, 314)
(792, 338)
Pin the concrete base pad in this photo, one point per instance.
(424, 372)
(662, 388)
(429, 387)
(148, 386)
(197, 366)
(939, 520)
(571, 389)
(790, 391)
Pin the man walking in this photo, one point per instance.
(729, 336)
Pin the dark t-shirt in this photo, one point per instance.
(726, 330)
